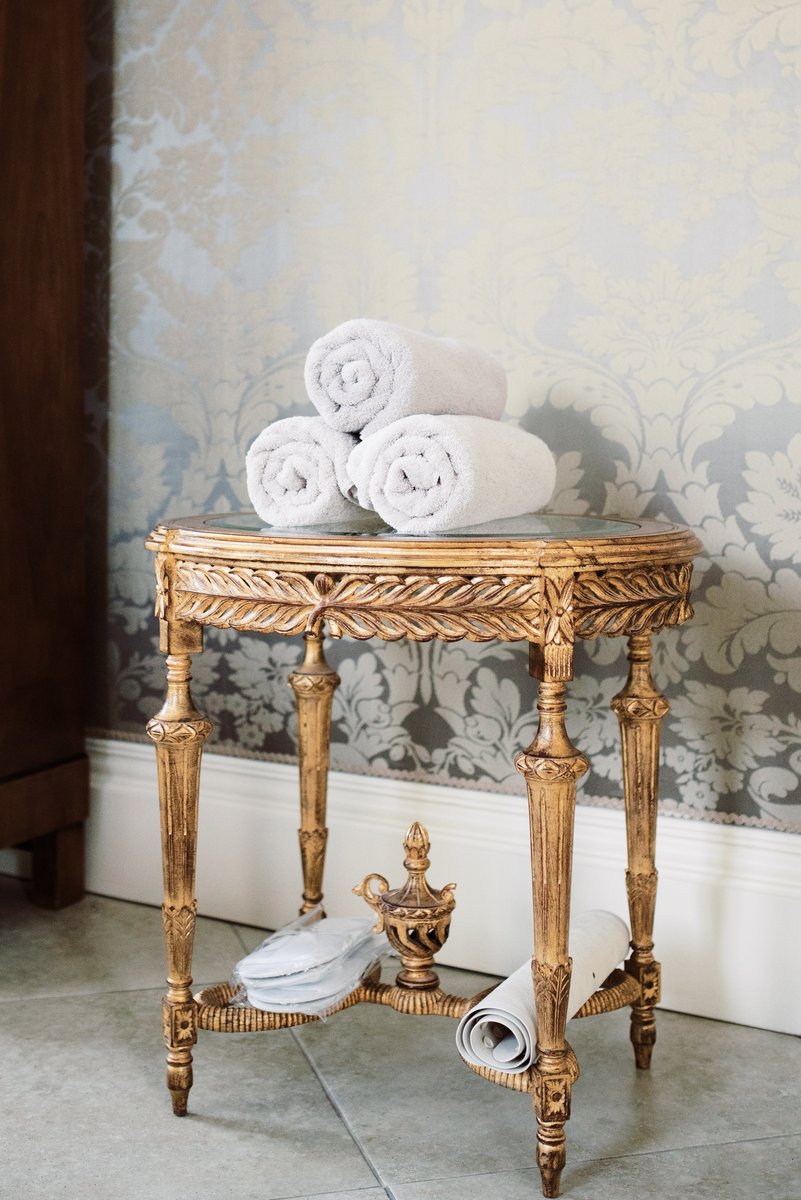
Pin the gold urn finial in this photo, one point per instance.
(417, 846)
(416, 917)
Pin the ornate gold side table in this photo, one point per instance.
(545, 580)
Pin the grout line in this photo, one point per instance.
(248, 946)
(583, 1162)
(240, 938)
(321, 1195)
(340, 1113)
(771, 1137)
(119, 991)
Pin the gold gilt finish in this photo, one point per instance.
(178, 731)
(415, 918)
(548, 591)
(551, 767)
(640, 710)
(314, 684)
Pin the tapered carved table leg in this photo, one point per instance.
(551, 766)
(640, 710)
(178, 732)
(314, 684)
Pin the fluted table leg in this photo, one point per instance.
(314, 684)
(178, 732)
(640, 709)
(551, 766)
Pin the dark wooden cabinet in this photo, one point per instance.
(43, 768)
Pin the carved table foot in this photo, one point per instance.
(552, 1109)
(643, 1015)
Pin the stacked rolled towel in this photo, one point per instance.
(431, 452)
(427, 473)
(365, 374)
(296, 473)
(501, 1030)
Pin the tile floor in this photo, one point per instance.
(368, 1105)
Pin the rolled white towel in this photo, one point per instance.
(429, 473)
(296, 473)
(501, 1030)
(365, 374)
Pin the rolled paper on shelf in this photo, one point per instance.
(432, 473)
(365, 374)
(501, 1031)
(296, 473)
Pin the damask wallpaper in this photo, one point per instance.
(606, 194)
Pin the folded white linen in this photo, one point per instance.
(428, 473)
(317, 996)
(365, 374)
(304, 946)
(296, 473)
(501, 1030)
(309, 965)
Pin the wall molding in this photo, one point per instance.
(727, 894)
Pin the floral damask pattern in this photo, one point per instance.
(604, 193)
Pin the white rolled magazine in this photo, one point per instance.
(501, 1030)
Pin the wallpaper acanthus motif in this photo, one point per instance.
(604, 193)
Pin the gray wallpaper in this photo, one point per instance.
(606, 194)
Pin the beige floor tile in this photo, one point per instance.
(96, 945)
(763, 1170)
(86, 1114)
(420, 1113)
(82, 1063)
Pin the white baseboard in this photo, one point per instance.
(729, 903)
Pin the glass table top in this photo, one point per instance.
(534, 526)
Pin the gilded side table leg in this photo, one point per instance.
(178, 732)
(551, 766)
(640, 709)
(314, 684)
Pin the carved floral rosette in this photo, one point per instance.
(179, 1023)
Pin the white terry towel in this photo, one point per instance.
(365, 374)
(429, 473)
(296, 473)
(501, 1030)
